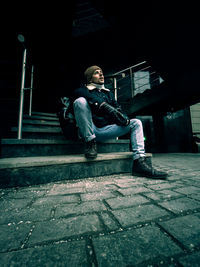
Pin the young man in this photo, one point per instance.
(99, 117)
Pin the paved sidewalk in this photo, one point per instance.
(117, 220)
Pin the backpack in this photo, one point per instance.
(66, 118)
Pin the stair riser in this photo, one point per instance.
(53, 173)
(10, 151)
(34, 113)
(46, 118)
(42, 135)
(38, 129)
(40, 123)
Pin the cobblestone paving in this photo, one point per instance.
(116, 220)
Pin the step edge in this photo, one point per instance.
(13, 163)
(44, 113)
(40, 122)
(27, 162)
(46, 129)
(12, 141)
(38, 117)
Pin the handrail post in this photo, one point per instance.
(132, 87)
(115, 92)
(115, 87)
(21, 103)
(31, 92)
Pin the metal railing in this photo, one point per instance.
(23, 88)
(128, 82)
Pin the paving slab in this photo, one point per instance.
(63, 254)
(186, 229)
(134, 246)
(112, 220)
(125, 202)
(180, 205)
(191, 260)
(139, 214)
(13, 236)
(29, 214)
(55, 230)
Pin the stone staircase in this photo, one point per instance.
(44, 155)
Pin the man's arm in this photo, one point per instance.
(115, 114)
(98, 105)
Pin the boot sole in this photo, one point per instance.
(150, 176)
(90, 157)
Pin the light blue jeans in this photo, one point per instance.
(89, 131)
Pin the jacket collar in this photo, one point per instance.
(92, 86)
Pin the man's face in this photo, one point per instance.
(98, 77)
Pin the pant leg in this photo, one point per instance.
(83, 118)
(136, 135)
(137, 139)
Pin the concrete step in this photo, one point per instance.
(44, 114)
(39, 125)
(39, 135)
(50, 147)
(41, 122)
(38, 128)
(25, 171)
(40, 117)
(41, 132)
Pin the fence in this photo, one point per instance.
(128, 82)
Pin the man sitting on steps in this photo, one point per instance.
(99, 118)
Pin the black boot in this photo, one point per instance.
(91, 149)
(143, 169)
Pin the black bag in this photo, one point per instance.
(66, 118)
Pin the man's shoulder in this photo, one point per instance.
(81, 89)
(80, 92)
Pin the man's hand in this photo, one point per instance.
(118, 117)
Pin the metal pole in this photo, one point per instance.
(115, 92)
(132, 88)
(31, 92)
(21, 104)
(115, 87)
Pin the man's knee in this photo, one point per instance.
(80, 102)
(135, 123)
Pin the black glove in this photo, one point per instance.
(118, 117)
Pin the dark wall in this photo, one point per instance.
(178, 131)
(164, 33)
(168, 133)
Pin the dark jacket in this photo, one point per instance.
(95, 98)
